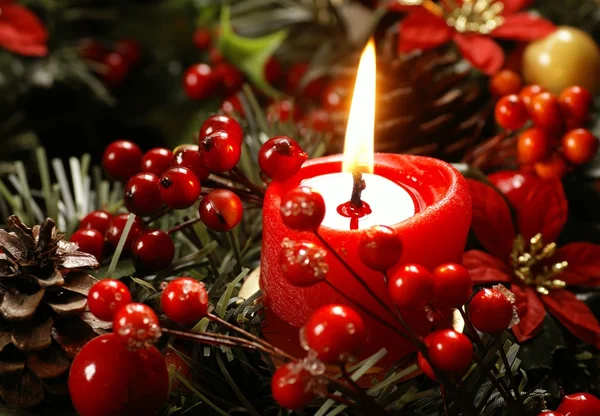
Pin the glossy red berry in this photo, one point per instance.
(198, 81)
(157, 160)
(511, 112)
(116, 228)
(580, 404)
(98, 220)
(303, 263)
(505, 82)
(116, 69)
(281, 157)
(89, 241)
(575, 103)
(179, 188)
(302, 209)
(185, 301)
(221, 123)
(550, 413)
(221, 210)
(291, 386)
(579, 146)
(545, 112)
(450, 351)
(379, 247)
(554, 167)
(137, 326)
(283, 111)
(490, 311)
(411, 287)
(152, 251)
(219, 152)
(202, 39)
(187, 156)
(232, 105)
(106, 297)
(452, 285)
(230, 78)
(130, 49)
(122, 159)
(335, 332)
(142, 194)
(108, 379)
(530, 91)
(273, 71)
(533, 145)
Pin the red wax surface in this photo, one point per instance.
(436, 234)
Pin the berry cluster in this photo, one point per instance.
(114, 65)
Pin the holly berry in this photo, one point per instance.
(233, 105)
(291, 386)
(130, 49)
(555, 167)
(550, 413)
(187, 156)
(179, 188)
(411, 287)
(116, 228)
(137, 325)
(450, 351)
(505, 82)
(152, 251)
(219, 152)
(273, 71)
(575, 103)
(379, 248)
(198, 81)
(157, 160)
(303, 263)
(221, 210)
(230, 78)
(202, 39)
(335, 332)
(579, 146)
(108, 379)
(106, 297)
(283, 111)
(580, 404)
(185, 301)
(490, 311)
(545, 112)
(221, 123)
(302, 209)
(89, 241)
(122, 159)
(452, 285)
(116, 69)
(98, 220)
(142, 194)
(281, 157)
(533, 145)
(530, 91)
(511, 112)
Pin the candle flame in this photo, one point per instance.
(358, 145)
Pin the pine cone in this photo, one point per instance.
(43, 323)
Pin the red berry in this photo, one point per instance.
(202, 39)
(130, 49)
(233, 105)
(142, 194)
(452, 285)
(198, 81)
(511, 112)
(528, 92)
(91, 49)
(380, 248)
(157, 160)
(291, 386)
(89, 241)
(108, 379)
(575, 103)
(116, 69)
(107, 297)
(281, 157)
(295, 80)
(179, 188)
(302, 209)
(335, 97)
(555, 167)
(533, 145)
(579, 146)
(185, 301)
(490, 311)
(230, 78)
(545, 112)
(115, 230)
(550, 413)
(122, 159)
(187, 156)
(152, 251)
(505, 82)
(450, 352)
(424, 365)
(283, 111)
(215, 56)
(580, 404)
(98, 220)
(137, 325)
(318, 120)
(219, 152)
(335, 332)
(221, 123)
(303, 263)
(221, 210)
(273, 71)
(411, 287)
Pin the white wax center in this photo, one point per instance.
(389, 202)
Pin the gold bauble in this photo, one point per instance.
(567, 57)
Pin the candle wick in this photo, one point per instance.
(358, 186)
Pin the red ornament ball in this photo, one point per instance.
(152, 251)
(511, 112)
(490, 311)
(116, 68)
(179, 188)
(122, 159)
(335, 332)
(198, 81)
(554, 167)
(545, 112)
(533, 145)
(302, 209)
(202, 39)
(137, 326)
(291, 386)
(98, 220)
(580, 404)
(452, 285)
(579, 146)
(89, 241)
(221, 210)
(411, 287)
(187, 156)
(575, 103)
(283, 111)
(157, 160)
(106, 297)
(505, 82)
(116, 228)
(380, 248)
(281, 157)
(185, 301)
(528, 92)
(221, 123)
(142, 194)
(108, 379)
(303, 263)
(450, 351)
(130, 49)
(219, 152)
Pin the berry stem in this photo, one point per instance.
(236, 251)
(159, 215)
(508, 370)
(238, 174)
(183, 225)
(192, 236)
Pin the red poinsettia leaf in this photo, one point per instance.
(22, 32)
(524, 26)
(574, 315)
(513, 6)
(491, 221)
(483, 53)
(422, 30)
(531, 312)
(485, 268)
(584, 264)
(544, 211)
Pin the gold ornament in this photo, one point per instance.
(567, 57)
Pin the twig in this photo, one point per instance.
(508, 369)
(183, 225)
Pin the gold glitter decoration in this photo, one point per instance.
(531, 264)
